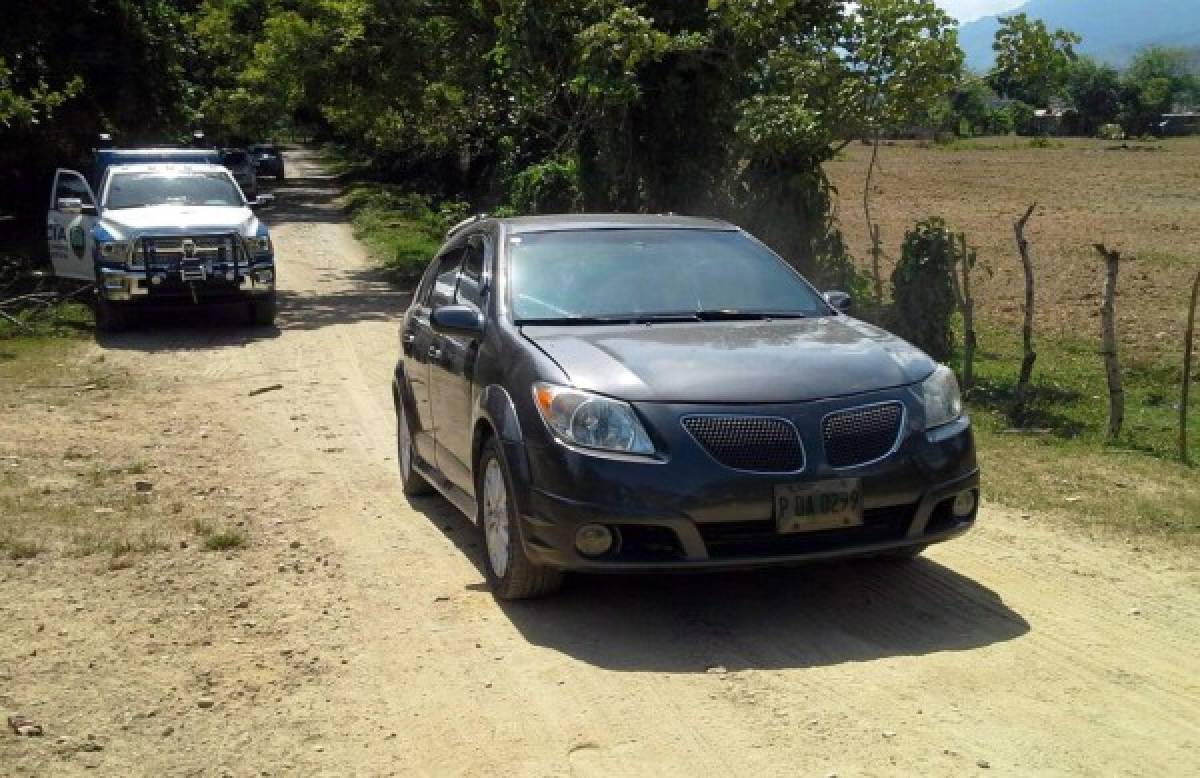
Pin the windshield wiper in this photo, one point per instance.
(736, 315)
(614, 318)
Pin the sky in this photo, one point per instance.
(968, 10)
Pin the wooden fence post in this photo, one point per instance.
(1187, 372)
(966, 304)
(1108, 337)
(1030, 356)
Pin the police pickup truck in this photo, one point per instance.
(161, 232)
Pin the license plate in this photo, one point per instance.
(818, 505)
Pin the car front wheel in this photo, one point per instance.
(412, 483)
(509, 571)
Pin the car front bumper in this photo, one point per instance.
(688, 512)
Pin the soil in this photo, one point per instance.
(354, 634)
(1139, 199)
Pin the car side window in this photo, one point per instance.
(470, 280)
(72, 185)
(441, 291)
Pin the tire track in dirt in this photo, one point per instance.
(1016, 646)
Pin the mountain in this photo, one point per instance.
(1112, 30)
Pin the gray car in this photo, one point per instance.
(629, 393)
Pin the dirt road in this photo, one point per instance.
(1020, 649)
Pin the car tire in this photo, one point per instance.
(509, 571)
(412, 483)
(110, 316)
(262, 312)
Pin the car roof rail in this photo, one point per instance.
(465, 223)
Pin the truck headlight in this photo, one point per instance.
(117, 250)
(591, 421)
(940, 395)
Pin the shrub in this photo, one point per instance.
(547, 187)
(225, 540)
(922, 291)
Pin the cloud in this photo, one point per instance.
(969, 10)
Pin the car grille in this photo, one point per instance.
(762, 444)
(860, 435)
(748, 539)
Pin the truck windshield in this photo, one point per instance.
(618, 275)
(138, 190)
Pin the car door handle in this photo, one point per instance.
(408, 338)
(435, 352)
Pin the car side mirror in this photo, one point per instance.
(456, 320)
(263, 201)
(839, 300)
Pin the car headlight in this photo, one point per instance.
(942, 400)
(117, 250)
(589, 420)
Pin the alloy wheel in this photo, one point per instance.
(495, 517)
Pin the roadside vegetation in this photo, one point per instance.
(1059, 462)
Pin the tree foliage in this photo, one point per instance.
(1032, 62)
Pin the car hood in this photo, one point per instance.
(788, 360)
(129, 223)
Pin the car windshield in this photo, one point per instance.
(264, 151)
(137, 190)
(235, 158)
(633, 274)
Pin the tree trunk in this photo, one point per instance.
(1187, 373)
(966, 304)
(1108, 336)
(1030, 356)
(872, 228)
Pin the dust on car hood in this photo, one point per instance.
(786, 360)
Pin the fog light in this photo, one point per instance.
(964, 503)
(593, 539)
(265, 276)
(230, 275)
(157, 279)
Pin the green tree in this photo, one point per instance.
(71, 70)
(902, 58)
(1157, 81)
(1032, 63)
(1095, 92)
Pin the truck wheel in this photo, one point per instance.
(262, 312)
(110, 317)
(509, 571)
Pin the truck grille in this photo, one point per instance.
(861, 435)
(170, 252)
(761, 444)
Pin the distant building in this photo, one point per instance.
(1176, 124)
